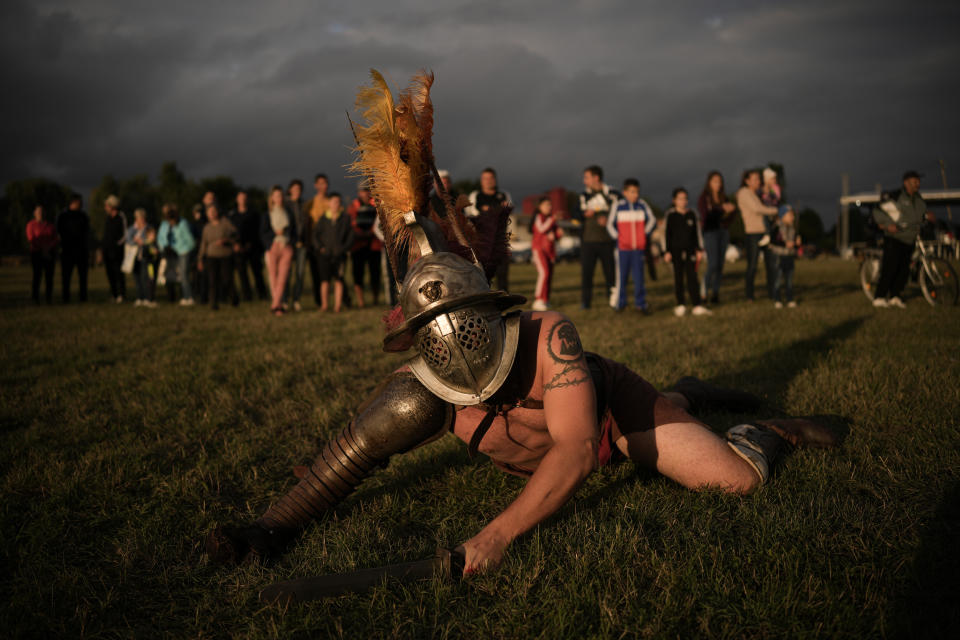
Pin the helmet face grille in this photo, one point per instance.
(435, 351)
(472, 332)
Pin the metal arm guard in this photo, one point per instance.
(399, 415)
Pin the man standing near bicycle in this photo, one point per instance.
(901, 225)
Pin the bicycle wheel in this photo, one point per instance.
(869, 276)
(939, 282)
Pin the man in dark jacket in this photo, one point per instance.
(901, 221)
(490, 200)
(114, 237)
(250, 255)
(294, 206)
(73, 225)
(596, 244)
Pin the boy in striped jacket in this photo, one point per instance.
(630, 223)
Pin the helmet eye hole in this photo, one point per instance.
(435, 351)
(472, 331)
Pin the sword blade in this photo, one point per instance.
(444, 563)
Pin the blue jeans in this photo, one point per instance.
(784, 279)
(769, 261)
(715, 243)
(183, 268)
(298, 271)
(631, 263)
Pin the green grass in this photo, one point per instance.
(128, 433)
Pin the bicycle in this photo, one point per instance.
(936, 277)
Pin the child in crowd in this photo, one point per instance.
(630, 223)
(684, 250)
(545, 234)
(147, 265)
(333, 236)
(784, 246)
(771, 195)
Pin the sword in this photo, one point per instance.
(446, 564)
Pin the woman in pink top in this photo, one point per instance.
(544, 249)
(752, 210)
(42, 237)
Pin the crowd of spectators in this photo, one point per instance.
(200, 259)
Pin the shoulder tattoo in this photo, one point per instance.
(564, 348)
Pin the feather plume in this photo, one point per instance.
(382, 156)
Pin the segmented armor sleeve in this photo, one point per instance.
(400, 414)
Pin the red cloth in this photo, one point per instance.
(41, 235)
(543, 228)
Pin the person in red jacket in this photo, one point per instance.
(544, 249)
(42, 236)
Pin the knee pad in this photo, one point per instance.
(398, 415)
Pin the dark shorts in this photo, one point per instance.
(632, 405)
(330, 268)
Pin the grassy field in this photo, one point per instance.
(128, 433)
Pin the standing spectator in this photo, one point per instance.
(137, 237)
(315, 209)
(278, 232)
(630, 223)
(146, 266)
(544, 248)
(42, 237)
(199, 282)
(73, 226)
(436, 201)
(784, 245)
(216, 257)
(333, 237)
(489, 200)
(176, 243)
(685, 250)
(597, 244)
(249, 256)
(753, 210)
(366, 248)
(294, 207)
(901, 225)
(114, 237)
(716, 215)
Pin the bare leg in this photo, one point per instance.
(692, 455)
(358, 294)
(337, 296)
(324, 294)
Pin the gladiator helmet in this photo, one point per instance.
(465, 345)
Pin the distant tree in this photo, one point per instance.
(464, 187)
(223, 187)
(16, 209)
(809, 226)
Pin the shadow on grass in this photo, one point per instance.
(925, 603)
(776, 368)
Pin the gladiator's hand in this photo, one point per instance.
(482, 552)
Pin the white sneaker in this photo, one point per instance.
(792, 304)
(778, 305)
(150, 304)
(764, 241)
(138, 303)
(539, 305)
(701, 310)
(186, 302)
(296, 306)
(895, 301)
(880, 302)
(679, 310)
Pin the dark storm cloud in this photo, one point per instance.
(661, 91)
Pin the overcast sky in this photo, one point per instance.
(663, 91)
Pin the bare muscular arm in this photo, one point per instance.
(569, 406)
